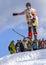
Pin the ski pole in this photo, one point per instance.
(18, 33)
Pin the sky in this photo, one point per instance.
(7, 21)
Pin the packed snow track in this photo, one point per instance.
(25, 58)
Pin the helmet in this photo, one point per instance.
(28, 4)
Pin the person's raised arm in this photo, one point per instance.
(15, 14)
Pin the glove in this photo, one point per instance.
(14, 14)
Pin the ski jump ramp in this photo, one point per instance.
(37, 57)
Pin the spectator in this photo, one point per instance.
(17, 47)
(45, 43)
(11, 47)
(29, 45)
(39, 44)
(42, 43)
(21, 47)
(25, 42)
(34, 45)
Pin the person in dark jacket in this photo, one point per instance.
(21, 47)
(17, 47)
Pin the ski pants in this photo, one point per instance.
(34, 32)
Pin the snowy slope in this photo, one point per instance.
(25, 58)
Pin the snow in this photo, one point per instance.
(25, 58)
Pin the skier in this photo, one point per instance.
(32, 20)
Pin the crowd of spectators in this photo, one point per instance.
(26, 45)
